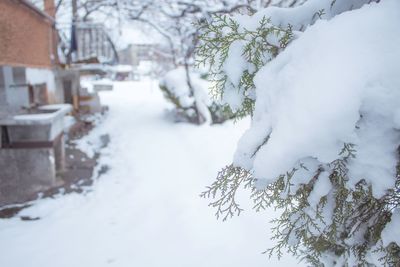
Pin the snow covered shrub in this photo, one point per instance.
(322, 84)
(190, 97)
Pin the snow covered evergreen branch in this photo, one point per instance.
(323, 109)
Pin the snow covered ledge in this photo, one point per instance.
(49, 119)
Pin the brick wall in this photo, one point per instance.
(26, 37)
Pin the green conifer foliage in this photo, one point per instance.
(218, 35)
(352, 231)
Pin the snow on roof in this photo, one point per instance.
(104, 81)
(95, 66)
(122, 68)
(136, 36)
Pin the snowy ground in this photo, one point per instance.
(146, 211)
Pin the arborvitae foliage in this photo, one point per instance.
(345, 227)
(307, 232)
(216, 38)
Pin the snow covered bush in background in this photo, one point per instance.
(322, 84)
(191, 98)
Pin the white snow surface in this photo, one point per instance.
(56, 107)
(234, 66)
(301, 16)
(122, 68)
(35, 117)
(391, 232)
(41, 75)
(87, 83)
(310, 98)
(132, 35)
(145, 211)
(235, 63)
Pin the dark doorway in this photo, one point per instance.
(68, 98)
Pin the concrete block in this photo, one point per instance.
(24, 173)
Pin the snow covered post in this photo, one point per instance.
(321, 83)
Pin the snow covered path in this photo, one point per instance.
(146, 211)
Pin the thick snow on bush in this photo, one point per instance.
(337, 83)
(175, 81)
(391, 233)
(324, 141)
(300, 16)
